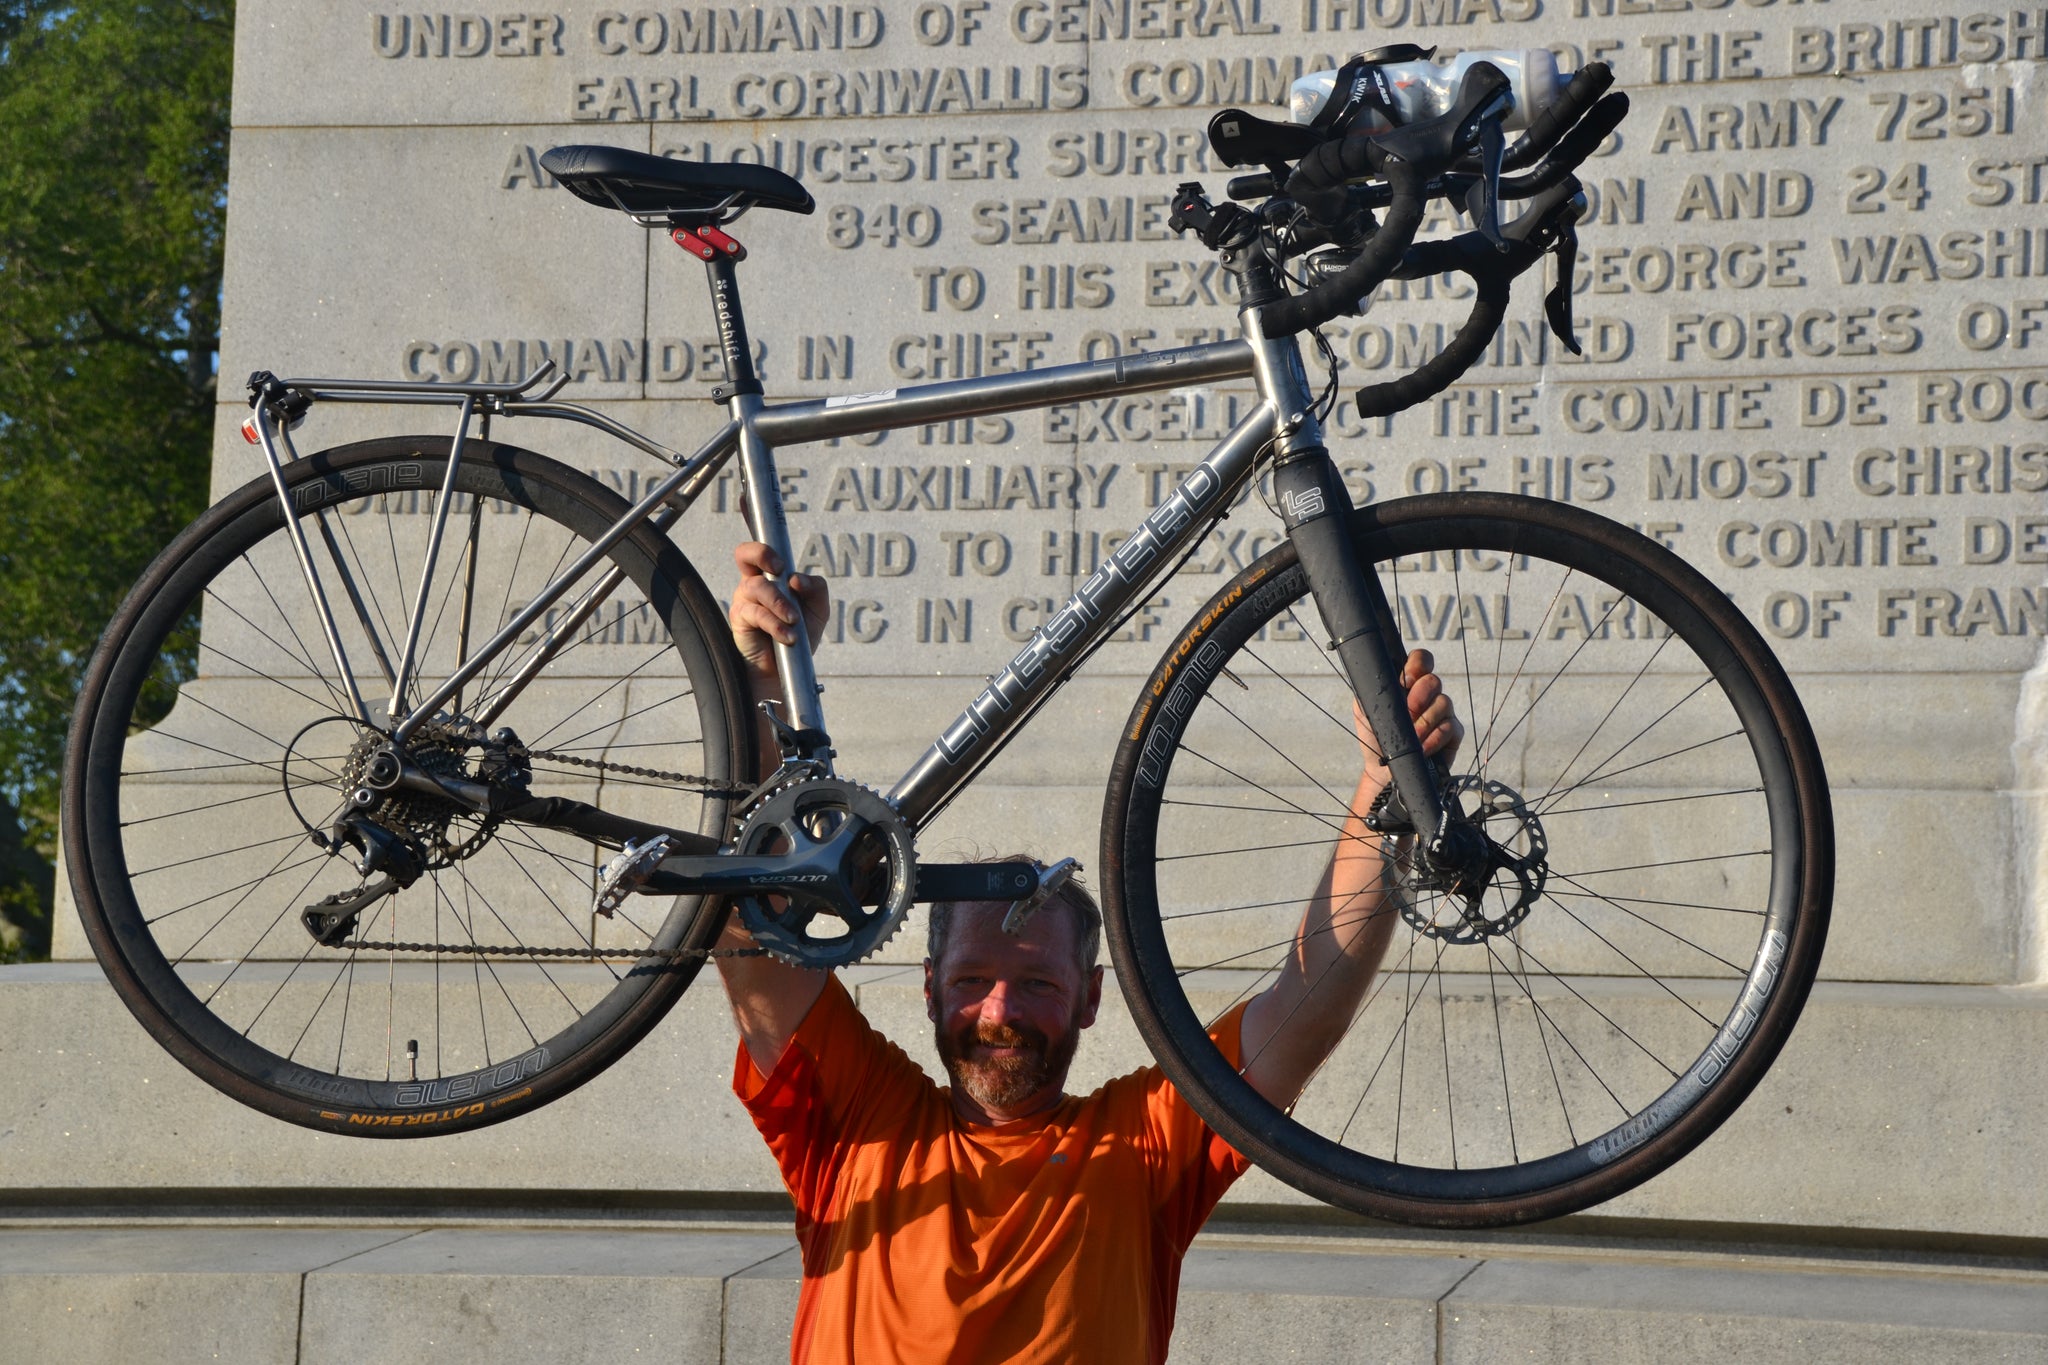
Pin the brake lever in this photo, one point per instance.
(1482, 200)
(1557, 304)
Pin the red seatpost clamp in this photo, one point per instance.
(722, 242)
(692, 243)
(707, 243)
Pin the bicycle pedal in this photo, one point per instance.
(628, 871)
(1050, 880)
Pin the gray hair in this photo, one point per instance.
(1073, 897)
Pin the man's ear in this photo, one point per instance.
(931, 1004)
(1094, 1001)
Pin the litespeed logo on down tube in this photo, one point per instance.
(1056, 636)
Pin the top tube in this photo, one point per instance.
(819, 419)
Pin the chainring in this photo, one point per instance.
(872, 856)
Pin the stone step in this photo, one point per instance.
(336, 1291)
(1895, 1109)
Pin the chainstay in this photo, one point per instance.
(709, 786)
(583, 954)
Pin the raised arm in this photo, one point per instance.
(769, 998)
(1295, 1023)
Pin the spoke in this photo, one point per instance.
(1524, 949)
(1237, 809)
(328, 759)
(1660, 758)
(1450, 1105)
(1232, 909)
(484, 683)
(512, 665)
(1641, 970)
(333, 700)
(240, 962)
(197, 810)
(1484, 747)
(1313, 780)
(1542, 1017)
(1649, 900)
(491, 967)
(1735, 967)
(1259, 786)
(280, 866)
(1343, 726)
(1605, 807)
(318, 1006)
(1559, 789)
(341, 700)
(1500, 1039)
(616, 722)
(369, 585)
(582, 939)
(220, 853)
(1562, 668)
(1249, 848)
(1669, 862)
(1601, 724)
(1406, 971)
(1379, 909)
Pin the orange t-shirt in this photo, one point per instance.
(1055, 1238)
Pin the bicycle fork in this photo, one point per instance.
(1315, 508)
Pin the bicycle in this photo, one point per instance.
(511, 865)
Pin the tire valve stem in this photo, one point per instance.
(412, 1056)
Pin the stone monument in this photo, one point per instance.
(1813, 297)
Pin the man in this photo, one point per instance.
(1000, 1219)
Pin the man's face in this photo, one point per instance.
(1008, 1012)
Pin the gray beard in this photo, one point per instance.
(1004, 1082)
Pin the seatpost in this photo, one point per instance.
(761, 499)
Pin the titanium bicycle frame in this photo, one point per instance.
(1313, 504)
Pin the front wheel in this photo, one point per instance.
(216, 749)
(1641, 762)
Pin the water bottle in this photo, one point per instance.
(1396, 86)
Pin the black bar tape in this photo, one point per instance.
(1581, 142)
(1583, 91)
(1341, 293)
(1446, 366)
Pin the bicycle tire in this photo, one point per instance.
(1562, 1057)
(211, 740)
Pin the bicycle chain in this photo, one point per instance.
(587, 954)
(708, 786)
(703, 784)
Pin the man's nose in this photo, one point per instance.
(1000, 1005)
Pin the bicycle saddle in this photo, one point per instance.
(637, 183)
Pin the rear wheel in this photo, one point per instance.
(1583, 1023)
(214, 750)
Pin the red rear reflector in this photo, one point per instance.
(249, 432)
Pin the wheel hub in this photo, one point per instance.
(1492, 892)
(439, 832)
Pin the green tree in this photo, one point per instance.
(113, 196)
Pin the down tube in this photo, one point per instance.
(1075, 631)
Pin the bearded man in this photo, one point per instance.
(999, 1218)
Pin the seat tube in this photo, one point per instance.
(1315, 507)
(761, 500)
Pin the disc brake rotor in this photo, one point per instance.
(865, 853)
(1517, 868)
